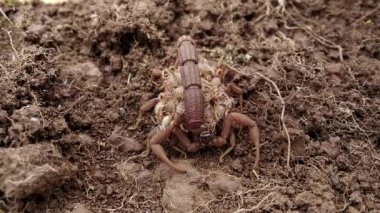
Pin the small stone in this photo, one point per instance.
(163, 171)
(53, 204)
(86, 75)
(351, 209)
(85, 140)
(301, 39)
(129, 170)
(334, 54)
(94, 20)
(37, 29)
(123, 143)
(147, 164)
(99, 189)
(113, 116)
(319, 56)
(270, 27)
(34, 32)
(336, 68)
(239, 150)
(116, 63)
(99, 175)
(223, 183)
(290, 190)
(236, 165)
(60, 126)
(335, 182)
(80, 208)
(109, 190)
(107, 68)
(306, 198)
(331, 147)
(356, 197)
(334, 139)
(34, 169)
(299, 143)
(181, 192)
(78, 122)
(144, 177)
(366, 186)
(343, 163)
(3, 117)
(122, 112)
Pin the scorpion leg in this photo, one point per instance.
(242, 120)
(174, 145)
(176, 148)
(156, 147)
(143, 109)
(237, 90)
(233, 144)
(184, 141)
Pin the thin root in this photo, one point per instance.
(282, 116)
(11, 43)
(257, 206)
(366, 15)
(317, 37)
(5, 16)
(37, 105)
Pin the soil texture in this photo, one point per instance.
(73, 76)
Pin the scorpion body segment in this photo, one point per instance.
(191, 82)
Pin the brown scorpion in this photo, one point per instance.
(195, 106)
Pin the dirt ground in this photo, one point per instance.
(73, 75)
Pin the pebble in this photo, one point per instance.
(222, 183)
(236, 165)
(109, 190)
(144, 177)
(80, 208)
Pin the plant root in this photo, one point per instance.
(5, 16)
(11, 43)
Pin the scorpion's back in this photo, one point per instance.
(191, 82)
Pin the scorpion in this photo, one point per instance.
(195, 106)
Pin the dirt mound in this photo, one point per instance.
(34, 169)
(73, 76)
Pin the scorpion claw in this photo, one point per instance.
(143, 109)
(233, 144)
(159, 151)
(180, 151)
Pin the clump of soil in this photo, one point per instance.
(73, 76)
(31, 170)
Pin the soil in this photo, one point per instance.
(73, 75)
